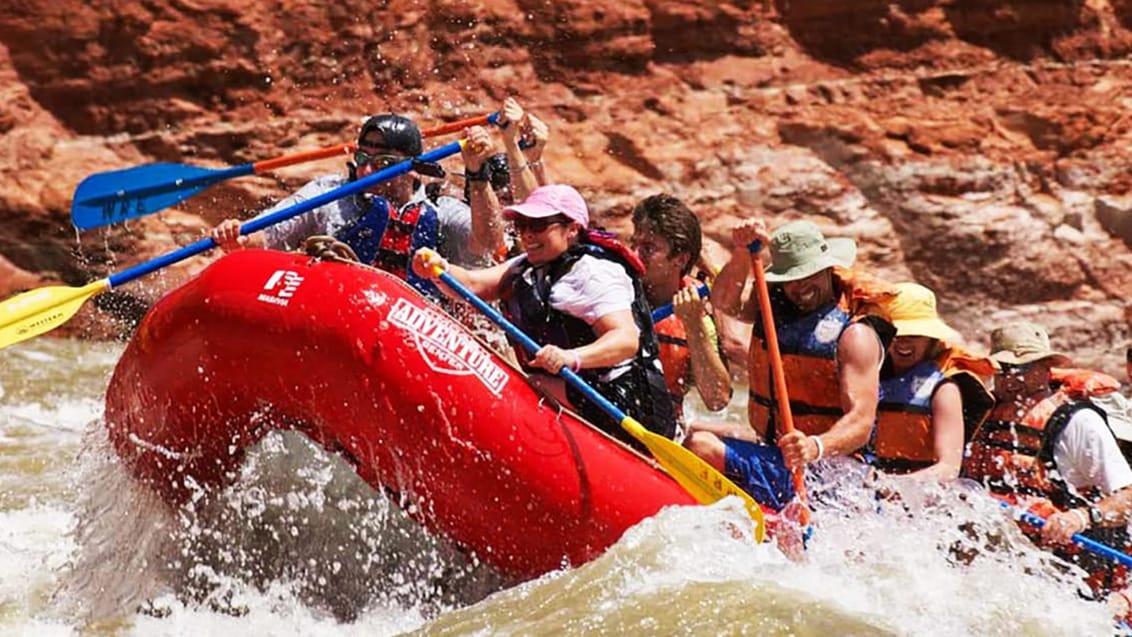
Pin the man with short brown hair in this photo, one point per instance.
(667, 237)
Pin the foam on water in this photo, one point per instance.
(299, 545)
(691, 571)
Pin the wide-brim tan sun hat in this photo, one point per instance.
(913, 312)
(799, 250)
(1024, 342)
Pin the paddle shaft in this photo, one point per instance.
(770, 335)
(255, 168)
(700, 479)
(665, 311)
(1082, 541)
(268, 165)
(260, 223)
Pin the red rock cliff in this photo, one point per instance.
(975, 145)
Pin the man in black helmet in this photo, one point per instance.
(463, 235)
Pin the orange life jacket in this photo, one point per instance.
(1004, 453)
(808, 345)
(1015, 458)
(904, 440)
(675, 356)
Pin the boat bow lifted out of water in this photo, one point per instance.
(365, 366)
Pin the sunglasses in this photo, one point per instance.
(362, 158)
(1008, 369)
(527, 224)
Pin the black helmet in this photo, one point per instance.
(397, 133)
(498, 170)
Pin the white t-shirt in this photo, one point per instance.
(1087, 455)
(591, 289)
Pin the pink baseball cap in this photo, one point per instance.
(550, 200)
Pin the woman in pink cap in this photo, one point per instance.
(578, 292)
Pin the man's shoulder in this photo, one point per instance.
(1086, 414)
(325, 182)
(450, 209)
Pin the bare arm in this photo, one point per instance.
(487, 220)
(858, 359)
(483, 283)
(540, 134)
(713, 381)
(618, 339)
(1116, 508)
(522, 178)
(727, 293)
(947, 434)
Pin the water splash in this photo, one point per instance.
(297, 527)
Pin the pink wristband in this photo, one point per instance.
(577, 366)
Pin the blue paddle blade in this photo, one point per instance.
(110, 197)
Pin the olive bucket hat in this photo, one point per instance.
(799, 249)
(1023, 342)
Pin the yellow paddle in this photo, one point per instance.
(701, 480)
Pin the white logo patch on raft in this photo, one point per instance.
(282, 285)
(445, 346)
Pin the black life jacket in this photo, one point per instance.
(1104, 575)
(640, 391)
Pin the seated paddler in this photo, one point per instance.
(577, 292)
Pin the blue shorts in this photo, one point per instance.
(759, 470)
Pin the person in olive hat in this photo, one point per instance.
(1050, 449)
(465, 235)
(831, 355)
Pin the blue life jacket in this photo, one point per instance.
(388, 241)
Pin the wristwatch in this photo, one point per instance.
(478, 175)
(1096, 516)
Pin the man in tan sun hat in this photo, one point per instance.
(1055, 444)
(831, 354)
(932, 392)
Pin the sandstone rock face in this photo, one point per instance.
(977, 146)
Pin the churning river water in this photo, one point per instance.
(301, 546)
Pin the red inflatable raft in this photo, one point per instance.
(361, 363)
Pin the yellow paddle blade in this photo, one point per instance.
(34, 312)
(698, 478)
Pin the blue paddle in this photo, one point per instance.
(38, 311)
(109, 197)
(1082, 541)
